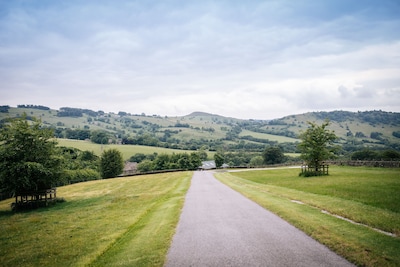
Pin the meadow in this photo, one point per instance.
(130, 221)
(116, 222)
(127, 151)
(355, 210)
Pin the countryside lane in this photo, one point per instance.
(220, 227)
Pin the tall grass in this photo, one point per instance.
(133, 218)
(367, 196)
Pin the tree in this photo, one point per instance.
(145, 166)
(316, 145)
(256, 161)
(99, 137)
(111, 163)
(28, 157)
(219, 159)
(273, 155)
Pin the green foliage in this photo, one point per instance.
(99, 137)
(256, 161)
(111, 163)
(75, 159)
(365, 154)
(219, 159)
(273, 155)
(138, 157)
(369, 154)
(81, 175)
(145, 166)
(28, 157)
(316, 145)
(213, 132)
(182, 161)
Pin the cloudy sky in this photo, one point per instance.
(243, 59)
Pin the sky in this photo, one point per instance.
(243, 59)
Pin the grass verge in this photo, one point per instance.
(364, 195)
(116, 222)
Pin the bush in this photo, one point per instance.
(111, 163)
(82, 175)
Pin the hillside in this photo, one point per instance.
(210, 131)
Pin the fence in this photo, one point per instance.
(320, 170)
(366, 163)
(35, 199)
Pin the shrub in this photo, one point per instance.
(111, 163)
(82, 175)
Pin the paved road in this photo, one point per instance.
(220, 227)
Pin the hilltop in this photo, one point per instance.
(197, 130)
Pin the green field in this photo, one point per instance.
(116, 222)
(270, 137)
(130, 221)
(367, 196)
(126, 150)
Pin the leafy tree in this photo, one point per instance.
(219, 159)
(111, 163)
(316, 145)
(162, 162)
(256, 161)
(145, 166)
(195, 160)
(273, 155)
(390, 154)
(99, 137)
(28, 157)
(365, 154)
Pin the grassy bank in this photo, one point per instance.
(120, 222)
(368, 196)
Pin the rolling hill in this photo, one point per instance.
(197, 130)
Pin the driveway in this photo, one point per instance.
(220, 227)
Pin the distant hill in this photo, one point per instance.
(377, 129)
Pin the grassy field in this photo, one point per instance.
(115, 222)
(130, 221)
(271, 137)
(126, 150)
(368, 196)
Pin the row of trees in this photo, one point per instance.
(182, 161)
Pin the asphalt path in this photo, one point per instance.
(220, 227)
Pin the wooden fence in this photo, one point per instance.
(321, 170)
(35, 199)
(367, 163)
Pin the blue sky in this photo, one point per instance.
(243, 59)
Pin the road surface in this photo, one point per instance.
(220, 227)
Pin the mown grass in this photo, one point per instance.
(364, 195)
(117, 222)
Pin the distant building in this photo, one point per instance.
(129, 168)
(208, 165)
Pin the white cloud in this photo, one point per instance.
(247, 60)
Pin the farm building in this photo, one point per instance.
(129, 168)
(207, 165)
